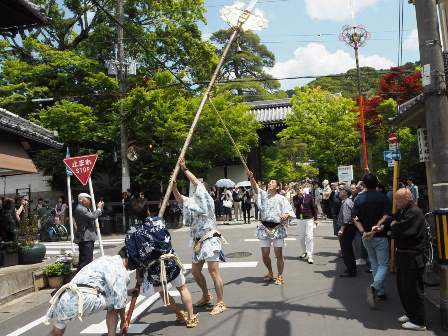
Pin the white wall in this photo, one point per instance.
(38, 182)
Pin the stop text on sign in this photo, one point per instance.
(81, 166)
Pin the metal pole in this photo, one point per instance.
(97, 223)
(436, 109)
(198, 114)
(70, 213)
(121, 71)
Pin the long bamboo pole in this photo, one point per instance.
(243, 18)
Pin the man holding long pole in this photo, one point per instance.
(86, 228)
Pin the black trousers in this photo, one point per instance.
(85, 253)
(246, 214)
(411, 288)
(346, 242)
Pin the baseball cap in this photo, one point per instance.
(83, 195)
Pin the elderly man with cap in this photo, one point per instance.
(85, 223)
(408, 230)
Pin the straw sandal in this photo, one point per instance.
(218, 308)
(181, 316)
(193, 322)
(268, 277)
(279, 280)
(204, 301)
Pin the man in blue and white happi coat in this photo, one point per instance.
(150, 252)
(199, 215)
(275, 212)
(101, 285)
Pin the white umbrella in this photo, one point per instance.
(225, 183)
(243, 184)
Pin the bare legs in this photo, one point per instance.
(213, 269)
(111, 322)
(185, 296)
(56, 332)
(267, 259)
(278, 251)
(280, 261)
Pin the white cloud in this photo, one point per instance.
(336, 10)
(411, 42)
(316, 60)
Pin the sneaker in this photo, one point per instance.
(403, 319)
(310, 260)
(411, 326)
(361, 262)
(303, 256)
(371, 297)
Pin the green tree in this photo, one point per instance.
(326, 125)
(247, 60)
(159, 121)
(160, 33)
(347, 83)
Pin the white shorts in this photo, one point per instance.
(215, 257)
(177, 282)
(280, 242)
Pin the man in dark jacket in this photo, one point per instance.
(347, 232)
(85, 228)
(408, 230)
(370, 207)
(306, 215)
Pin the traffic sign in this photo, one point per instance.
(391, 155)
(393, 146)
(81, 166)
(390, 164)
(393, 138)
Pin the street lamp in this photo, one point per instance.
(356, 36)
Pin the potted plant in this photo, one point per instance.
(55, 273)
(9, 255)
(30, 251)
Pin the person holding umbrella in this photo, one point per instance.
(275, 211)
(199, 215)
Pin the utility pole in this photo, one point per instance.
(122, 74)
(436, 110)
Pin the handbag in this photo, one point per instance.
(227, 203)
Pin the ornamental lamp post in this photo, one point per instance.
(356, 36)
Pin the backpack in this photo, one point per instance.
(236, 196)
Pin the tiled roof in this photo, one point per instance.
(271, 112)
(411, 113)
(20, 14)
(12, 123)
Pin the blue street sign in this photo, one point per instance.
(391, 155)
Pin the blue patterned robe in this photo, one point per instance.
(146, 243)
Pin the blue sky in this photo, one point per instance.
(290, 21)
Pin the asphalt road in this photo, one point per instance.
(313, 301)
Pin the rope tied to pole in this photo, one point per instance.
(243, 161)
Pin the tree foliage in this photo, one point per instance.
(347, 83)
(325, 125)
(246, 61)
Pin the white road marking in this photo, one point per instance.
(27, 327)
(240, 264)
(57, 252)
(256, 239)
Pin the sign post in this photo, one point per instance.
(345, 174)
(82, 167)
(97, 223)
(393, 149)
(70, 204)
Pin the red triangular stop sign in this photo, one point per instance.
(81, 166)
